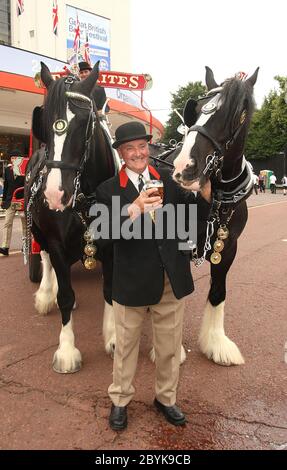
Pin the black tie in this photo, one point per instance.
(140, 183)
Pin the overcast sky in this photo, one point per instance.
(173, 41)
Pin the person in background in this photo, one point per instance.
(261, 183)
(273, 180)
(150, 275)
(11, 183)
(284, 182)
(255, 183)
(99, 93)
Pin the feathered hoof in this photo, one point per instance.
(223, 351)
(110, 347)
(64, 363)
(43, 303)
(182, 355)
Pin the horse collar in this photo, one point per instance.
(230, 193)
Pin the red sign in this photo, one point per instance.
(126, 81)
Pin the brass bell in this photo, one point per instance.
(90, 250)
(88, 236)
(218, 245)
(222, 233)
(215, 258)
(90, 263)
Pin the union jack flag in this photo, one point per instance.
(87, 50)
(20, 7)
(55, 17)
(76, 45)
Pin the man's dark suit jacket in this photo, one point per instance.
(139, 264)
(10, 184)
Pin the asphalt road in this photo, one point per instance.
(241, 407)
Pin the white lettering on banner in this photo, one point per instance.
(134, 82)
(130, 81)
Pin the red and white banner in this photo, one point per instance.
(20, 7)
(125, 81)
(55, 17)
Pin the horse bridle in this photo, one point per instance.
(214, 162)
(60, 127)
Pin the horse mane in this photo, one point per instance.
(236, 96)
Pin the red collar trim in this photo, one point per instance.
(124, 177)
(153, 171)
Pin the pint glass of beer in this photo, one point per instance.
(157, 185)
(159, 191)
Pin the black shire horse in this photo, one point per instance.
(77, 158)
(213, 149)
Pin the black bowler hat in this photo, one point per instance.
(84, 66)
(130, 131)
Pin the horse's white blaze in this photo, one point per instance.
(183, 159)
(45, 296)
(67, 358)
(212, 339)
(109, 329)
(53, 193)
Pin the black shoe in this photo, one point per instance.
(171, 413)
(4, 251)
(118, 418)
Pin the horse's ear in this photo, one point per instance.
(189, 112)
(86, 86)
(46, 77)
(209, 79)
(253, 78)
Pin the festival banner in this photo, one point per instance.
(94, 30)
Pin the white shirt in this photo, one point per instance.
(255, 179)
(273, 179)
(134, 177)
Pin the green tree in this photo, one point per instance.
(268, 129)
(192, 90)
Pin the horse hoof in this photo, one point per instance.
(225, 364)
(59, 371)
(67, 364)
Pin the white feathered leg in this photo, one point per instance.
(46, 295)
(109, 329)
(67, 359)
(182, 355)
(212, 339)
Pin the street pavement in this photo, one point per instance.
(241, 407)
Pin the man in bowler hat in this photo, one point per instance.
(99, 93)
(11, 183)
(149, 275)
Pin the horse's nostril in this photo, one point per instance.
(177, 176)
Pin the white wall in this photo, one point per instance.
(33, 30)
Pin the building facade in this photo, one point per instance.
(60, 33)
